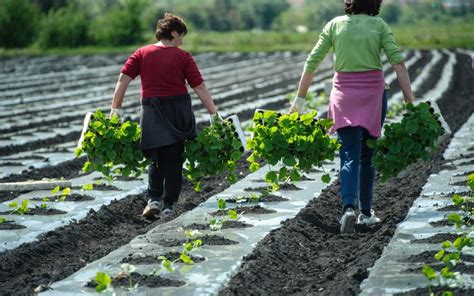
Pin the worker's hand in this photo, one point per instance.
(298, 104)
(116, 111)
(215, 118)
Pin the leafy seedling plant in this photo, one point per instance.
(298, 142)
(450, 253)
(192, 243)
(20, 209)
(64, 193)
(214, 151)
(405, 142)
(216, 224)
(104, 281)
(112, 146)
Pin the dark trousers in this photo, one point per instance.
(165, 173)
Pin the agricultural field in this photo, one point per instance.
(286, 242)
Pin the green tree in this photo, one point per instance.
(390, 13)
(65, 27)
(121, 25)
(18, 23)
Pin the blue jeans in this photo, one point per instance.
(357, 173)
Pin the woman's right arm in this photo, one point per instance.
(404, 81)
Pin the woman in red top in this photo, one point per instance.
(166, 118)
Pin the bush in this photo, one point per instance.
(18, 23)
(65, 27)
(122, 25)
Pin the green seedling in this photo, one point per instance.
(64, 193)
(297, 142)
(20, 209)
(189, 246)
(104, 282)
(215, 150)
(126, 272)
(88, 187)
(2, 220)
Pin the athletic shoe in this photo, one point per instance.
(152, 209)
(348, 221)
(363, 219)
(167, 210)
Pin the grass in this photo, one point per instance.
(413, 36)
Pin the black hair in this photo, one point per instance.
(369, 7)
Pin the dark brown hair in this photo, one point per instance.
(170, 23)
(369, 7)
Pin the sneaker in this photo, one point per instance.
(363, 219)
(167, 210)
(152, 209)
(348, 221)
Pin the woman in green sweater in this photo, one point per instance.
(356, 104)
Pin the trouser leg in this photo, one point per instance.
(350, 139)
(170, 162)
(156, 177)
(367, 173)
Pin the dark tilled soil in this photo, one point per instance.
(59, 253)
(428, 257)
(142, 260)
(437, 238)
(9, 225)
(320, 261)
(438, 291)
(469, 205)
(71, 197)
(210, 240)
(9, 195)
(285, 186)
(441, 223)
(461, 267)
(101, 187)
(226, 225)
(245, 210)
(262, 198)
(39, 211)
(152, 281)
(68, 169)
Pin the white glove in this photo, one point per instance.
(116, 111)
(215, 118)
(298, 104)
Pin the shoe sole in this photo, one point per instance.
(151, 214)
(349, 226)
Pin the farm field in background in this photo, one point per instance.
(43, 101)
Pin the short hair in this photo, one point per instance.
(369, 7)
(170, 23)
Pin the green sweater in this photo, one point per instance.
(357, 41)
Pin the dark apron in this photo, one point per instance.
(166, 120)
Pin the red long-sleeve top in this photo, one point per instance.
(163, 70)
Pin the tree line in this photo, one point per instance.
(73, 23)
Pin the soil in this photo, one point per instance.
(70, 197)
(459, 183)
(428, 257)
(151, 281)
(470, 205)
(142, 260)
(39, 211)
(68, 169)
(226, 225)
(438, 291)
(10, 163)
(10, 225)
(101, 187)
(441, 223)
(469, 162)
(262, 198)
(210, 240)
(438, 238)
(284, 186)
(245, 210)
(461, 267)
(59, 253)
(320, 261)
(118, 178)
(9, 195)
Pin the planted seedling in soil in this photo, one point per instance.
(405, 142)
(214, 151)
(298, 142)
(112, 146)
(19, 209)
(450, 253)
(216, 224)
(192, 243)
(64, 193)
